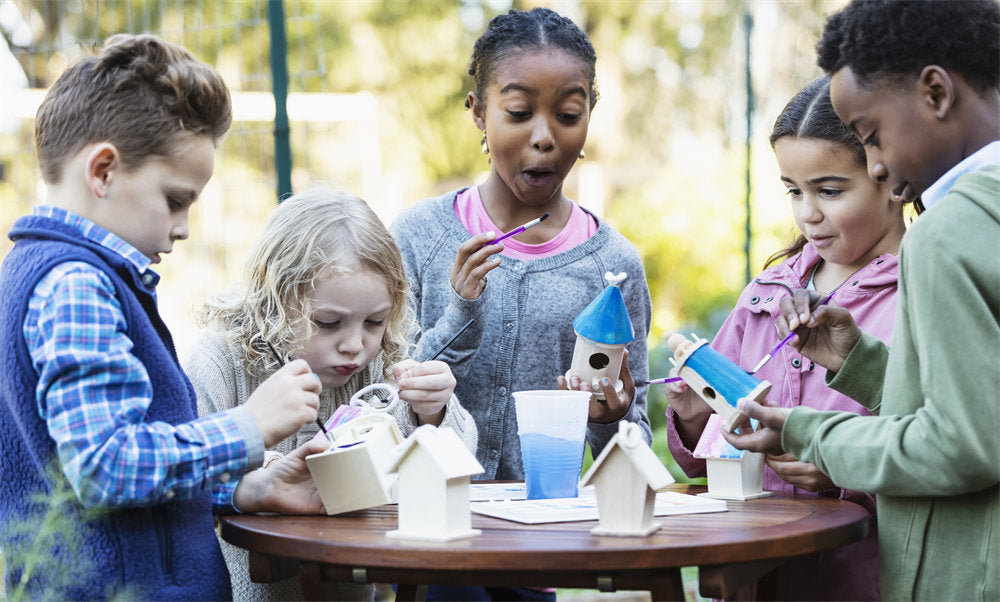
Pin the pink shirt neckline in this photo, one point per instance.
(471, 212)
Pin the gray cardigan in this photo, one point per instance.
(523, 335)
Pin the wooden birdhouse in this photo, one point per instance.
(715, 378)
(434, 467)
(733, 474)
(603, 329)
(626, 476)
(353, 473)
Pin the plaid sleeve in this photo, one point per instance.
(94, 394)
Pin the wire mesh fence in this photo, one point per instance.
(41, 37)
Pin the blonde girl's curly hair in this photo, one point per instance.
(310, 235)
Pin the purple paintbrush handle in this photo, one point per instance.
(658, 381)
(788, 337)
(513, 232)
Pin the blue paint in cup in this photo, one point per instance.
(552, 426)
(551, 466)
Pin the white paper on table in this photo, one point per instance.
(485, 492)
(584, 507)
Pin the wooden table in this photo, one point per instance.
(730, 549)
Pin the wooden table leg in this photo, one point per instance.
(723, 581)
(409, 591)
(311, 581)
(667, 585)
(772, 585)
(268, 569)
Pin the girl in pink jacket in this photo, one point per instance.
(849, 233)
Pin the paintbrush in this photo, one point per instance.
(518, 230)
(460, 331)
(785, 340)
(352, 410)
(281, 362)
(658, 381)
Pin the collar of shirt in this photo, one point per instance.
(99, 235)
(984, 157)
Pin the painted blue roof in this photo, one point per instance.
(606, 319)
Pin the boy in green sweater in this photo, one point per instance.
(919, 83)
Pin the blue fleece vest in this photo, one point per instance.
(166, 551)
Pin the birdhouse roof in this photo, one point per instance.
(629, 441)
(712, 444)
(606, 319)
(443, 446)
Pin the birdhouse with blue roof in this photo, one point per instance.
(603, 329)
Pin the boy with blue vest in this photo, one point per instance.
(98, 424)
(918, 81)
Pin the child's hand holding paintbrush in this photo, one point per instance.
(285, 402)
(823, 333)
(473, 263)
(427, 386)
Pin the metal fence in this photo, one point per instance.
(41, 37)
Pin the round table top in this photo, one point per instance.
(766, 528)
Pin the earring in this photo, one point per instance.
(486, 145)
(583, 154)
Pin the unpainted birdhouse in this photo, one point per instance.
(626, 475)
(733, 474)
(434, 468)
(603, 329)
(353, 473)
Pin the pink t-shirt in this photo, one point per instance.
(472, 213)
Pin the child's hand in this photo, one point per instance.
(687, 404)
(426, 386)
(468, 274)
(285, 486)
(690, 411)
(767, 437)
(285, 402)
(615, 405)
(828, 332)
(798, 473)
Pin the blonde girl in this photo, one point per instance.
(324, 282)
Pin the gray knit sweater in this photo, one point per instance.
(221, 383)
(523, 335)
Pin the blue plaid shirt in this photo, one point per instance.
(93, 394)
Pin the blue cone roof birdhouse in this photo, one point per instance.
(606, 319)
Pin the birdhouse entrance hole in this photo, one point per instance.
(599, 361)
(708, 392)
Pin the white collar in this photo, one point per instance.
(986, 156)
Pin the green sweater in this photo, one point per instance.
(932, 456)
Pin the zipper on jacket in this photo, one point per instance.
(163, 537)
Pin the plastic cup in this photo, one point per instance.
(552, 426)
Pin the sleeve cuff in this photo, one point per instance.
(251, 435)
(222, 498)
(692, 466)
(863, 373)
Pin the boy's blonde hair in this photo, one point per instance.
(140, 93)
(310, 235)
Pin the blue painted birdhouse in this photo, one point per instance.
(603, 329)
